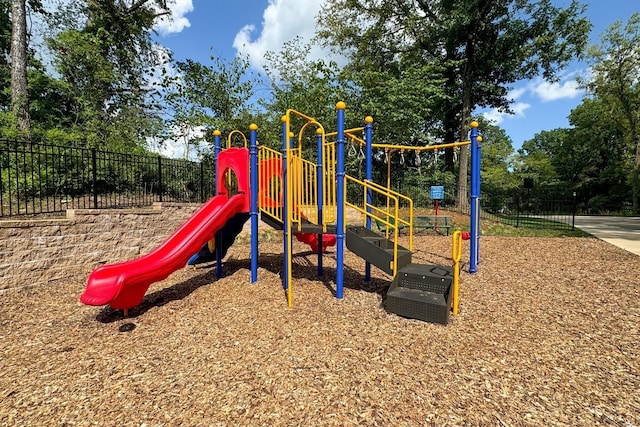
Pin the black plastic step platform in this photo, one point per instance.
(375, 249)
(423, 292)
(305, 227)
(271, 220)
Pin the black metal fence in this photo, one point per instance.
(44, 179)
(540, 210)
(530, 210)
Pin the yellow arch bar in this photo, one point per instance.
(234, 132)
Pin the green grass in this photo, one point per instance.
(533, 227)
(492, 228)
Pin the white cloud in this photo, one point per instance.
(176, 22)
(496, 116)
(567, 88)
(553, 91)
(283, 20)
(515, 94)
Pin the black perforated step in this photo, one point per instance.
(422, 292)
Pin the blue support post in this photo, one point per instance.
(340, 201)
(475, 199)
(285, 216)
(320, 192)
(368, 139)
(216, 152)
(477, 183)
(253, 157)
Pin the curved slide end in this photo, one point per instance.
(105, 286)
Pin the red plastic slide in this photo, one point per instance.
(124, 284)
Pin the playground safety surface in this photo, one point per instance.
(547, 335)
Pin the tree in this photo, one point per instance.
(203, 97)
(19, 89)
(601, 164)
(615, 69)
(5, 54)
(105, 65)
(497, 152)
(539, 157)
(481, 46)
(297, 82)
(19, 61)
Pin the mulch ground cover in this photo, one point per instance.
(547, 334)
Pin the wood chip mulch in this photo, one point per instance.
(548, 334)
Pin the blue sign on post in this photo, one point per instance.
(437, 192)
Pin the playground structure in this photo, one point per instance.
(305, 200)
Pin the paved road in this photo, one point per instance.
(623, 232)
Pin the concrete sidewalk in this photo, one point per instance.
(623, 232)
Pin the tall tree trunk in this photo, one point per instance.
(462, 200)
(19, 89)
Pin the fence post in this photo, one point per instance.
(94, 177)
(573, 216)
(517, 210)
(160, 189)
(202, 181)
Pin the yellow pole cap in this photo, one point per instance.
(368, 119)
(479, 139)
(474, 124)
(291, 135)
(319, 131)
(283, 118)
(253, 126)
(341, 106)
(217, 133)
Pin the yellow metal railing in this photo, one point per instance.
(456, 255)
(388, 216)
(330, 211)
(270, 182)
(397, 220)
(303, 190)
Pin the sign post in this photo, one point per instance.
(437, 194)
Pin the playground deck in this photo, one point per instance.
(547, 334)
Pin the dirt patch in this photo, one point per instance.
(547, 335)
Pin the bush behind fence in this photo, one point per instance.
(43, 179)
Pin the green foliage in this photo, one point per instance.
(103, 62)
(209, 97)
(614, 82)
(495, 167)
(296, 82)
(476, 49)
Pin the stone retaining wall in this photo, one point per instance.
(39, 252)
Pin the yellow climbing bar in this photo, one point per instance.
(456, 255)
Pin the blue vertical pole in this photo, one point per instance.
(368, 139)
(253, 153)
(475, 199)
(340, 200)
(477, 182)
(216, 152)
(285, 217)
(320, 192)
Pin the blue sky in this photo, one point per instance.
(204, 27)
